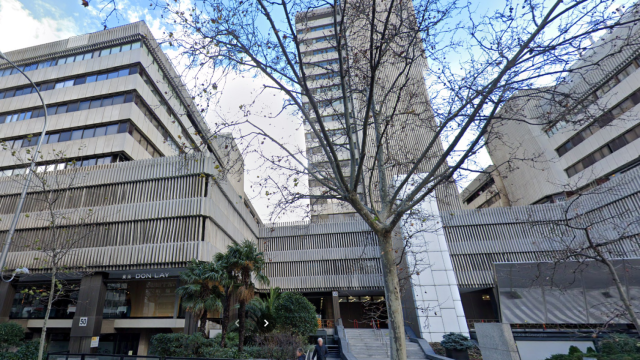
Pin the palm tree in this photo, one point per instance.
(248, 264)
(228, 280)
(202, 290)
(259, 310)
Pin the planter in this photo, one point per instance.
(457, 354)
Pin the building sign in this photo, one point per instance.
(95, 340)
(83, 321)
(145, 274)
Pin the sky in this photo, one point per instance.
(25, 23)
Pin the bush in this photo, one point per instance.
(11, 335)
(232, 339)
(27, 351)
(280, 346)
(295, 314)
(179, 345)
(455, 341)
(619, 344)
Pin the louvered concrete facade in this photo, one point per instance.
(480, 238)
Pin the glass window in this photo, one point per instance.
(62, 61)
(84, 105)
(143, 143)
(65, 136)
(27, 115)
(115, 50)
(135, 45)
(88, 56)
(108, 160)
(95, 103)
(61, 109)
(123, 127)
(101, 131)
(112, 75)
(133, 70)
(76, 134)
(88, 133)
(105, 52)
(28, 306)
(80, 81)
(91, 78)
(79, 57)
(59, 85)
(118, 99)
(18, 92)
(2, 118)
(107, 101)
(53, 138)
(69, 83)
(21, 116)
(123, 72)
(9, 93)
(70, 59)
(128, 98)
(73, 107)
(102, 77)
(89, 162)
(112, 129)
(126, 47)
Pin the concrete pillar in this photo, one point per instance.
(335, 301)
(89, 309)
(496, 342)
(7, 292)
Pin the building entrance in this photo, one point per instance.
(363, 311)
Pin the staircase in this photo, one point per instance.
(369, 344)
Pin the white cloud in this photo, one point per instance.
(20, 29)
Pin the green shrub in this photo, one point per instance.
(455, 341)
(295, 314)
(11, 335)
(180, 345)
(232, 339)
(27, 351)
(573, 350)
(619, 344)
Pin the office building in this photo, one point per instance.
(559, 142)
(119, 112)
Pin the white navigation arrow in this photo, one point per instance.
(266, 323)
(237, 322)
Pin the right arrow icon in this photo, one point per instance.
(266, 323)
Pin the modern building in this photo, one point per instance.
(561, 141)
(120, 114)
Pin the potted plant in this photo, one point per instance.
(456, 346)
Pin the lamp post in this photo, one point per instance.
(25, 188)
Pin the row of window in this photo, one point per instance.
(601, 91)
(319, 40)
(611, 147)
(70, 82)
(150, 115)
(337, 133)
(326, 76)
(320, 28)
(85, 133)
(326, 104)
(321, 64)
(69, 135)
(71, 59)
(66, 165)
(67, 108)
(324, 90)
(599, 123)
(324, 51)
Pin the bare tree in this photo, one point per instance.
(382, 154)
(58, 228)
(587, 229)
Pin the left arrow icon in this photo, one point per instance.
(237, 322)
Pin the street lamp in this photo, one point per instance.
(25, 188)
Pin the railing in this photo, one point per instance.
(67, 356)
(380, 335)
(471, 322)
(326, 324)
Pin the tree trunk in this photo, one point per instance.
(43, 336)
(623, 294)
(616, 280)
(392, 292)
(203, 323)
(226, 309)
(241, 318)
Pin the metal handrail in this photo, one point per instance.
(380, 336)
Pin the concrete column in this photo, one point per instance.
(336, 306)
(7, 292)
(90, 305)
